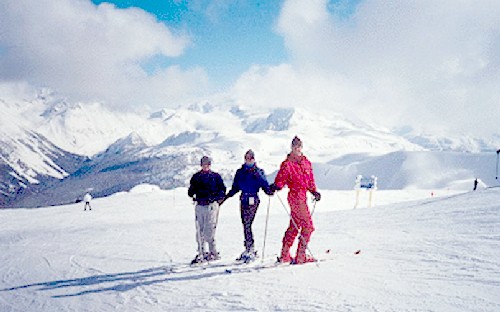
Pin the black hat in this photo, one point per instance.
(205, 160)
(296, 141)
(250, 154)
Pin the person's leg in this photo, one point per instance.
(248, 213)
(199, 226)
(210, 227)
(304, 221)
(288, 239)
(243, 216)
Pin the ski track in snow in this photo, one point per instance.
(131, 253)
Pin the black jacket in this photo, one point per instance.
(206, 187)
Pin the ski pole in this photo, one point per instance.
(265, 230)
(314, 207)
(496, 177)
(297, 228)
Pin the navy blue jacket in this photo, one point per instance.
(249, 180)
(206, 187)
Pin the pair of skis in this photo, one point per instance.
(270, 265)
(256, 266)
(278, 264)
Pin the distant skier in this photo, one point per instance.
(296, 172)
(249, 179)
(208, 190)
(87, 198)
(475, 184)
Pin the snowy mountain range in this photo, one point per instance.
(52, 151)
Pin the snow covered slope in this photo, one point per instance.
(410, 170)
(130, 253)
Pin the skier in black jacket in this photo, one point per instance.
(208, 190)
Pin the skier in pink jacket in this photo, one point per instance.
(296, 172)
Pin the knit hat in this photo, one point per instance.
(205, 160)
(250, 154)
(296, 141)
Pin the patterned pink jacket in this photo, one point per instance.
(296, 172)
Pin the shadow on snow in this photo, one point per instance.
(127, 280)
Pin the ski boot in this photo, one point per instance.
(242, 256)
(248, 256)
(285, 255)
(303, 258)
(212, 256)
(198, 259)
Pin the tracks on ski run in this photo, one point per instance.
(230, 267)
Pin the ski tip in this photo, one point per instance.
(357, 252)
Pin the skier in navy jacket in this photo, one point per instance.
(249, 179)
(208, 190)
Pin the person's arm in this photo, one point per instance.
(192, 186)
(281, 178)
(264, 184)
(221, 189)
(312, 184)
(236, 185)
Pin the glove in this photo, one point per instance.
(222, 200)
(274, 187)
(317, 196)
(269, 192)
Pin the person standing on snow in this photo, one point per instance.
(87, 198)
(249, 179)
(208, 190)
(296, 172)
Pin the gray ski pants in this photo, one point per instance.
(206, 223)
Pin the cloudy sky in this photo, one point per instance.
(431, 65)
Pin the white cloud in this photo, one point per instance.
(286, 85)
(432, 65)
(91, 52)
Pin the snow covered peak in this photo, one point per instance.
(182, 138)
(202, 107)
(161, 115)
(278, 120)
(132, 142)
(86, 128)
(60, 108)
